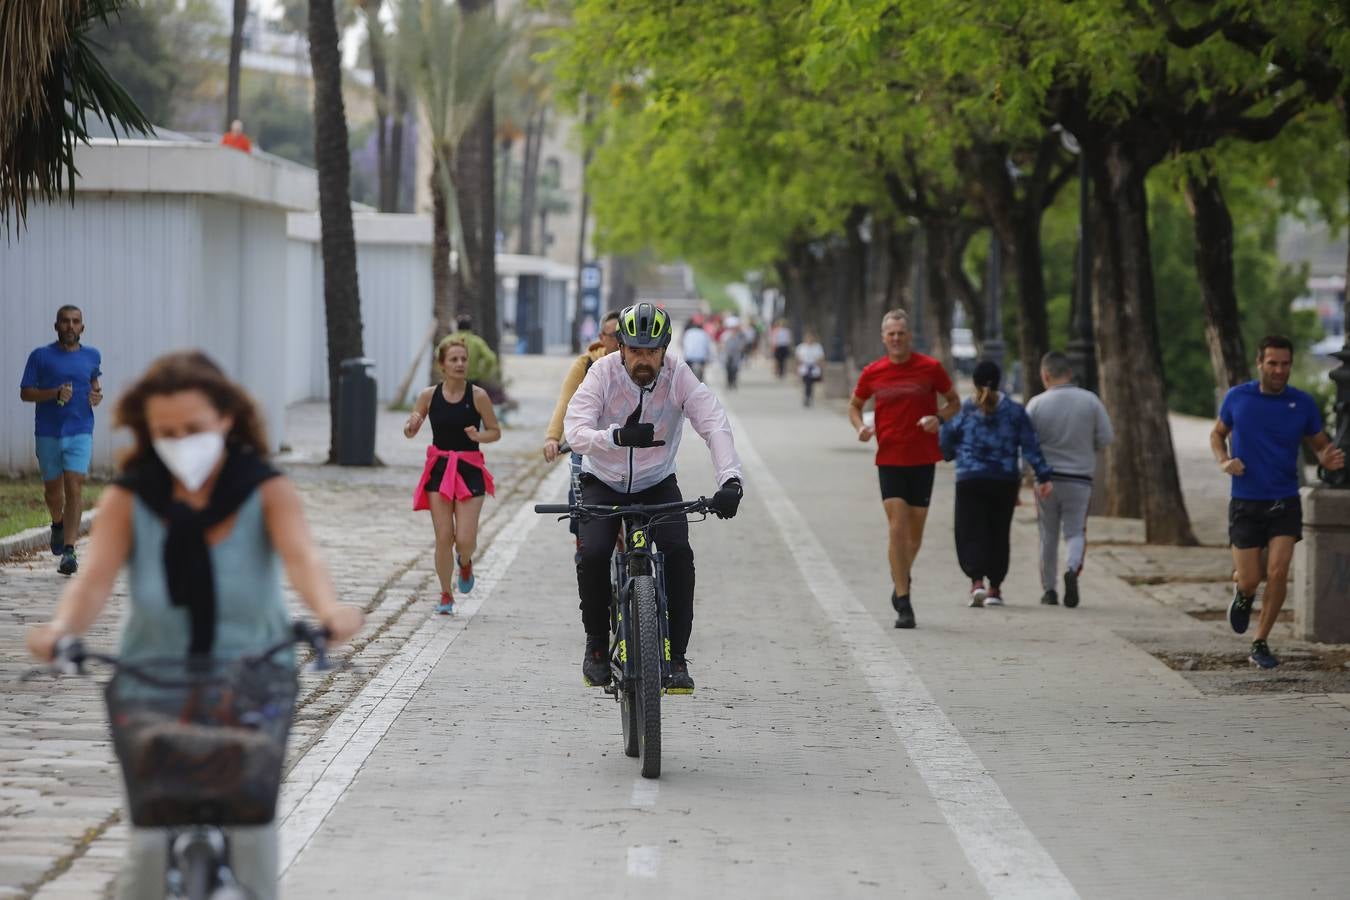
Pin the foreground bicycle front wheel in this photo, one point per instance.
(646, 628)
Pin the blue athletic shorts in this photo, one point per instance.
(64, 454)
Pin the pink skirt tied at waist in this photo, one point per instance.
(452, 485)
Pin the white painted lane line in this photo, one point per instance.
(643, 862)
(645, 792)
(1005, 855)
(319, 779)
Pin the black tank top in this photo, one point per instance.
(448, 420)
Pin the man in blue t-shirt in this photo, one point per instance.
(62, 378)
(1268, 421)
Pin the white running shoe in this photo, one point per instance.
(993, 600)
(978, 594)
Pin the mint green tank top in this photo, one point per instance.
(250, 609)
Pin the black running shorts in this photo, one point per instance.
(912, 484)
(1252, 523)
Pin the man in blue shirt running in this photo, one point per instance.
(1268, 421)
(62, 378)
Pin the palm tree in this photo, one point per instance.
(50, 81)
(450, 57)
(341, 298)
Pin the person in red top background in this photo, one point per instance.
(236, 138)
(907, 418)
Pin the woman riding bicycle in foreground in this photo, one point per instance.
(202, 521)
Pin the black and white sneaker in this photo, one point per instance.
(679, 681)
(1261, 656)
(595, 664)
(904, 611)
(1050, 598)
(69, 565)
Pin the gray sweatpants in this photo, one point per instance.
(1065, 510)
(254, 857)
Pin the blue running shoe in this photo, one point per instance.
(1240, 611)
(1261, 656)
(447, 605)
(466, 579)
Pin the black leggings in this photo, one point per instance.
(984, 511)
(597, 538)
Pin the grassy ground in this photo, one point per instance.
(22, 506)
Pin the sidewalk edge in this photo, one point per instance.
(36, 538)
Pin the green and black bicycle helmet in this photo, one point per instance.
(644, 325)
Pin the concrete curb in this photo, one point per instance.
(36, 538)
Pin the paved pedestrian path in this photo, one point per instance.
(1017, 752)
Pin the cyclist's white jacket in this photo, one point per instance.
(607, 397)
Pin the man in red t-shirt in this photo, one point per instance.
(906, 386)
(236, 138)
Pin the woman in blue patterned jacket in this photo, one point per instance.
(985, 438)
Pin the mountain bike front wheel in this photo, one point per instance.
(647, 629)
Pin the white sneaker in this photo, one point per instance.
(978, 595)
(993, 600)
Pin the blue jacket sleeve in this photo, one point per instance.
(1031, 446)
(949, 438)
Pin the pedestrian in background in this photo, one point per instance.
(1268, 421)
(781, 339)
(732, 350)
(236, 138)
(63, 380)
(906, 386)
(455, 478)
(1073, 427)
(809, 357)
(985, 439)
(203, 524)
(696, 346)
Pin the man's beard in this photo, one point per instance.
(69, 337)
(643, 374)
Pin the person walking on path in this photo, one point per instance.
(985, 439)
(733, 349)
(203, 524)
(236, 138)
(809, 357)
(695, 347)
(63, 380)
(455, 478)
(626, 419)
(1267, 421)
(906, 386)
(1073, 427)
(781, 339)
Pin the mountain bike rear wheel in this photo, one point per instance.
(646, 628)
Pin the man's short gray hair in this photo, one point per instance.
(896, 313)
(1056, 365)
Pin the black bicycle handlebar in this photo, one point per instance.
(636, 509)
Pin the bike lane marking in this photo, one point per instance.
(1005, 855)
(643, 862)
(319, 779)
(645, 792)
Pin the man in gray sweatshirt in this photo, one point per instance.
(1072, 426)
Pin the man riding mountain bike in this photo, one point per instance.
(624, 420)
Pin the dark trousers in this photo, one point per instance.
(597, 538)
(984, 511)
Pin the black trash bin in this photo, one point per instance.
(356, 413)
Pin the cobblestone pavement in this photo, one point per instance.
(59, 785)
(1025, 751)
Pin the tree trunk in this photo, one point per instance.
(341, 297)
(475, 185)
(1034, 325)
(386, 192)
(1142, 477)
(529, 180)
(939, 248)
(581, 229)
(1214, 265)
(236, 51)
(442, 281)
(962, 290)
(395, 167)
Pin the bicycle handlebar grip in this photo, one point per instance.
(68, 655)
(561, 509)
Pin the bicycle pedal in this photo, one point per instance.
(612, 689)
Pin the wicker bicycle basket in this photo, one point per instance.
(201, 742)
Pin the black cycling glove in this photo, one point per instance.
(727, 500)
(639, 435)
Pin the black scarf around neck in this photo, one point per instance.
(187, 558)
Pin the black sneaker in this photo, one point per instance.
(904, 611)
(679, 681)
(1240, 612)
(595, 664)
(69, 565)
(58, 539)
(1261, 656)
(1050, 598)
(1070, 588)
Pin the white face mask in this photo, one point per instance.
(191, 458)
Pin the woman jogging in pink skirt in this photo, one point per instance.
(455, 478)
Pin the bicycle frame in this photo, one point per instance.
(639, 556)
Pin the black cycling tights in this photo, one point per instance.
(597, 538)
